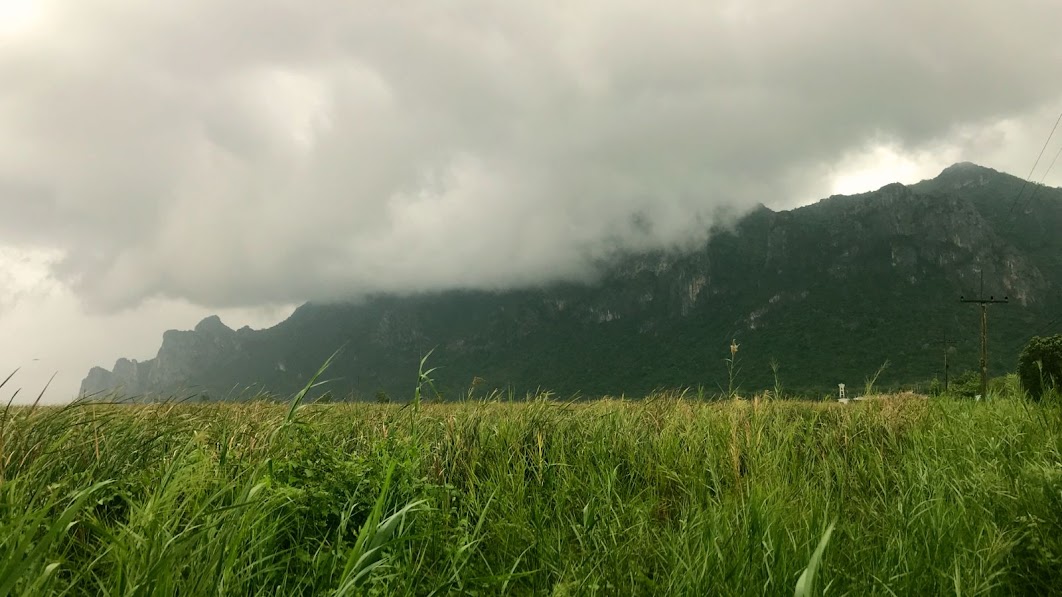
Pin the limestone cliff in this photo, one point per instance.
(183, 357)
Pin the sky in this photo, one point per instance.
(160, 162)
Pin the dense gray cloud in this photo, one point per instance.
(263, 151)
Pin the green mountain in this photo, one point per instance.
(828, 292)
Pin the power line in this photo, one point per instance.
(1057, 153)
(1014, 203)
(1044, 177)
(1039, 186)
(1041, 331)
(1049, 325)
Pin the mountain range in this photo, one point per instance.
(814, 296)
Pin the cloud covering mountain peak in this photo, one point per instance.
(250, 152)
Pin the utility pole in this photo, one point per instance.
(945, 360)
(984, 302)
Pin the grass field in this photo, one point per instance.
(659, 496)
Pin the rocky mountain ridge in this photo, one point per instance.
(827, 292)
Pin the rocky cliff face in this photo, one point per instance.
(183, 357)
(828, 292)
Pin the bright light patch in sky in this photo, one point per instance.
(883, 164)
(18, 16)
(26, 273)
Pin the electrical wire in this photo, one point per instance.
(1014, 203)
(1049, 325)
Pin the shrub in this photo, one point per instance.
(1040, 365)
(966, 384)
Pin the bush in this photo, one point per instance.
(1040, 365)
(933, 387)
(1004, 385)
(966, 384)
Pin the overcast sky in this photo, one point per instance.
(161, 161)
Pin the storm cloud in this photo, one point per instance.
(254, 152)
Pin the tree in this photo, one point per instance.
(1040, 365)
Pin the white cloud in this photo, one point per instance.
(1010, 144)
(253, 152)
(243, 152)
(45, 331)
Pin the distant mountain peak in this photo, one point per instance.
(212, 324)
(966, 170)
(963, 175)
(894, 188)
(961, 166)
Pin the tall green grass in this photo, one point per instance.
(889, 496)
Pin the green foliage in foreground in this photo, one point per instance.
(1040, 365)
(663, 496)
